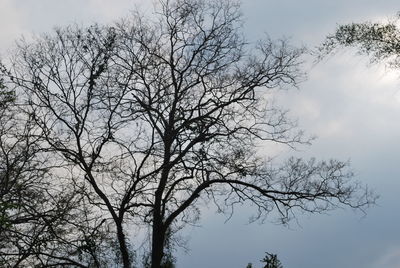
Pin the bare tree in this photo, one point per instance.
(147, 119)
(44, 222)
(20, 181)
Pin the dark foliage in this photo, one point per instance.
(380, 41)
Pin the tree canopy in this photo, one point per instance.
(132, 127)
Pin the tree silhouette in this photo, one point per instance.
(380, 41)
(271, 261)
(141, 123)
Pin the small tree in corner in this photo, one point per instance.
(270, 260)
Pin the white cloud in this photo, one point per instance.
(10, 23)
(24, 18)
(112, 10)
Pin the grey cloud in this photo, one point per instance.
(353, 109)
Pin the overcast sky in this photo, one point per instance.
(353, 109)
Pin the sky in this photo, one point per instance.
(351, 106)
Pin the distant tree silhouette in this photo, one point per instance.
(135, 126)
(271, 261)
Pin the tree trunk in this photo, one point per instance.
(157, 249)
(158, 235)
(123, 248)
